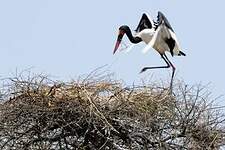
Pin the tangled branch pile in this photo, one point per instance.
(99, 113)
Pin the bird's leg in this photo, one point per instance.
(162, 55)
(173, 71)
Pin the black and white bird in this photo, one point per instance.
(158, 35)
(144, 32)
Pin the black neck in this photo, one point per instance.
(132, 39)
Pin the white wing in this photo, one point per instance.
(152, 42)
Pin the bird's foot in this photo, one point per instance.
(143, 70)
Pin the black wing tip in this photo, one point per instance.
(144, 14)
(161, 17)
(160, 13)
(144, 23)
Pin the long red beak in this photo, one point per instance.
(119, 39)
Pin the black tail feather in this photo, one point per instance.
(181, 53)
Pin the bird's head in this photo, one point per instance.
(122, 30)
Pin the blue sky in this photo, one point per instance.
(68, 38)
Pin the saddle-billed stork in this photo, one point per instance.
(158, 35)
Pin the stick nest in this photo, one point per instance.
(101, 113)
